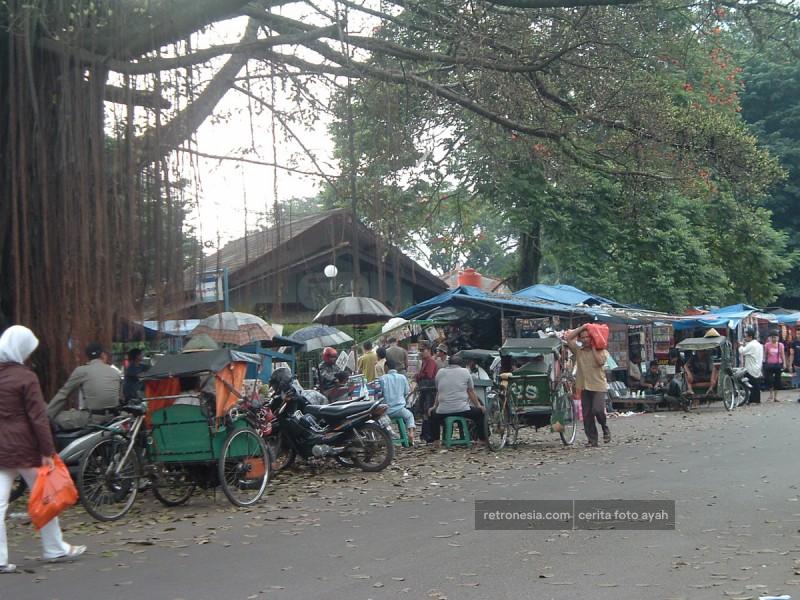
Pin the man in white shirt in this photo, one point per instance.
(752, 353)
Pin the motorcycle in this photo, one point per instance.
(353, 433)
(71, 446)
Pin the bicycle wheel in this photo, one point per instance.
(172, 484)
(728, 392)
(17, 489)
(570, 423)
(372, 446)
(497, 423)
(105, 493)
(244, 467)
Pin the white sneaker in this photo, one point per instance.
(71, 554)
(9, 568)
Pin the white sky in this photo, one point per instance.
(228, 189)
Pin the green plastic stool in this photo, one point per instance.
(463, 425)
(401, 427)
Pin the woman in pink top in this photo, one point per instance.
(774, 363)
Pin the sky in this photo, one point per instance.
(234, 193)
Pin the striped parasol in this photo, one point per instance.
(235, 328)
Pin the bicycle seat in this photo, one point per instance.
(135, 409)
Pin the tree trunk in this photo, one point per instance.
(530, 256)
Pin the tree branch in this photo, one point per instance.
(120, 95)
(560, 3)
(162, 140)
(251, 161)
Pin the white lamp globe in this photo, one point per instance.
(331, 271)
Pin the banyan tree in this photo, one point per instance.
(99, 100)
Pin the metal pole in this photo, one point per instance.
(225, 289)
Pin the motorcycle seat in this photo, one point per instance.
(63, 439)
(338, 410)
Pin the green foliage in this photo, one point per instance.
(771, 103)
(649, 192)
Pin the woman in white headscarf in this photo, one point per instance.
(26, 442)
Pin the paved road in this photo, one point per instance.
(408, 533)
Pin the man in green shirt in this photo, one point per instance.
(367, 361)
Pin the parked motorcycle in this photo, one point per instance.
(70, 445)
(354, 433)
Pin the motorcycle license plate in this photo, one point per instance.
(385, 422)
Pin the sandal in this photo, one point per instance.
(71, 554)
(9, 568)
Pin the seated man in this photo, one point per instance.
(329, 376)
(190, 391)
(455, 396)
(395, 389)
(99, 389)
(635, 371)
(652, 381)
(701, 370)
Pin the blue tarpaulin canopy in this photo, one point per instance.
(469, 296)
(788, 319)
(564, 294)
(727, 316)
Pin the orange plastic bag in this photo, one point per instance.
(52, 493)
(598, 332)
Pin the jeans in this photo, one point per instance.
(406, 415)
(52, 543)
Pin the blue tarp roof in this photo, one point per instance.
(563, 294)
(788, 319)
(727, 316)
(467, 295)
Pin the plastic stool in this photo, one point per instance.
(401, 427)
(463, 425)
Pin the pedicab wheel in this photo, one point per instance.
(373, 449)
(244, 467)
(281, 453)
(728, 389)
(497, 425)
(104, 493)
(17, 489)
(570, 425)
(172, 485)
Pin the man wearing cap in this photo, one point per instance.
(99, 388)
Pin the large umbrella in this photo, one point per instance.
(235, 328)
(314, 337)
(353, 310)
